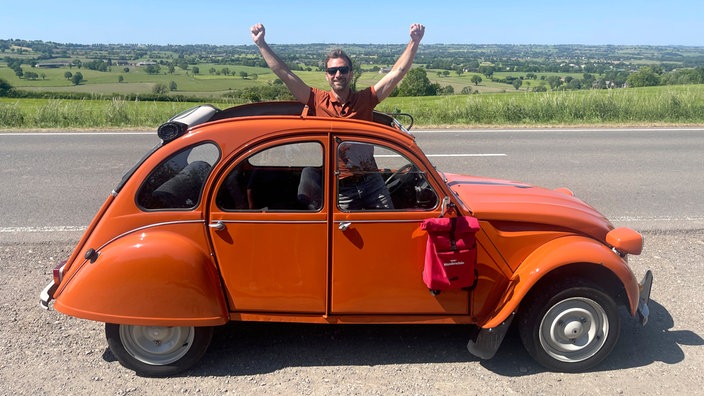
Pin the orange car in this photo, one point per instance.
(261, 213)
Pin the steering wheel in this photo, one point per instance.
(400, 177)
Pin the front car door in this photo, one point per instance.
(377, 247)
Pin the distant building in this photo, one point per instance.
(51, 65)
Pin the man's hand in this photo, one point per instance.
(417, 32)
(258, 33)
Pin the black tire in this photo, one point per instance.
(569, 326)
(157, 351)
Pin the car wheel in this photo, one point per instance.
(569, 327)
(157, 351)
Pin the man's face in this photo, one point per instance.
(339, 81)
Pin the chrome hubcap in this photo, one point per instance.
(157, 345)
(574, 329)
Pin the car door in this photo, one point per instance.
(269, 228)
(377, 246)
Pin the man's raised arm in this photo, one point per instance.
(386, 85)
(299, 89)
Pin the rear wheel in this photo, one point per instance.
(157, 351)
(569, 326)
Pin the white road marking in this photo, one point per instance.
(24, 230)
(467, 155)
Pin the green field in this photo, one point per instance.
(671, 105)
(491, 104)
(205, 84)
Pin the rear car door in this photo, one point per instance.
(269, 228)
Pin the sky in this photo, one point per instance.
(593, 22)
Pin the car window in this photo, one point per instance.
(374, 177)
(287, 177)
(177, 182)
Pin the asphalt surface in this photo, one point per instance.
(649, 179)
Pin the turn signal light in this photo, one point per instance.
(625, 240)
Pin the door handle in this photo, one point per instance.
(344, 225)
(217, 225)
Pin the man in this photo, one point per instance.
(360, 186)
(341, 101)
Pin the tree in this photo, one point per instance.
(77, 78)
(488, 71)
(5, 88)
(466, 90)
(195, 70)
(160, 89)
(172, 86)
(120, 79)
(644, 77)
(554, 82)
(476, 79)
(356, 74)
(416, 83)
(153, 69)
(68, 75)
(517, 83)
(244, 75)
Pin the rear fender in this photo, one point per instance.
(153, 277)
(557, 254)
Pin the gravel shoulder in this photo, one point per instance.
(46, 352)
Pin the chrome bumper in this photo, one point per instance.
(645, 285)
(46, 295)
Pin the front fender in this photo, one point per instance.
(559, 253)
(153, 277)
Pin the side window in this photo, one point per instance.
(374, 177)
(288, 177)
(177, 182)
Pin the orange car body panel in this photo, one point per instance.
(168, 267)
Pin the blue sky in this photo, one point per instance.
(646, 22)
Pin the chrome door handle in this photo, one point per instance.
(344, 225)
(217, 225)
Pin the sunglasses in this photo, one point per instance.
(333, 70)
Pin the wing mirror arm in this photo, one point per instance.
(445, 206)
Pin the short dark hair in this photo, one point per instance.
(338, 53)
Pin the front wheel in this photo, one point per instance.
(569, 327)
(157, 351)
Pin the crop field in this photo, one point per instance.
(641, 106)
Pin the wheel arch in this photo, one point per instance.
(155, 277)
(574, 257)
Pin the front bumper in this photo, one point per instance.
(645, 286)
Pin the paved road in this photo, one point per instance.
(650, 179)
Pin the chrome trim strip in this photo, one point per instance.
(147, 227)
(378, 221)
(272, 221)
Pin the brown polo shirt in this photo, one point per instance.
(359, 105)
